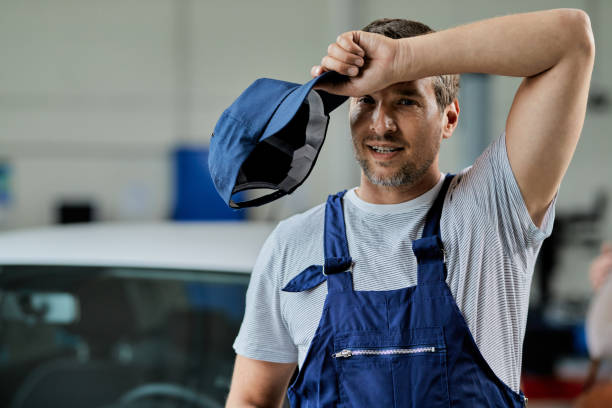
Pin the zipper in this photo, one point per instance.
(346, 353)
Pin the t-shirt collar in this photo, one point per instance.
(426, 198)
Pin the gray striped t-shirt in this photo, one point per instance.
(491, 244)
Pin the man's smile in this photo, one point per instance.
(383, 151)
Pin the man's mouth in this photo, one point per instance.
(384, 149)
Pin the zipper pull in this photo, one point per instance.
(342, 354)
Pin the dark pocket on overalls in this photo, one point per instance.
(382, 370)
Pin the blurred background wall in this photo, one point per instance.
(96, 95)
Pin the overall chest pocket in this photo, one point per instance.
(402, 370)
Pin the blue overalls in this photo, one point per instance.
(408, 347)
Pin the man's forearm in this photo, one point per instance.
(520, 45)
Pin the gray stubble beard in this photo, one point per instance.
(407, 175)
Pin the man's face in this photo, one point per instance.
(397, 132)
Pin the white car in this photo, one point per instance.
(116, 315)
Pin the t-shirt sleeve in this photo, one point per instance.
(496, 192)
(263, 334)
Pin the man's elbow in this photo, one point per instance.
(578, 25)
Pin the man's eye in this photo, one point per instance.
(407, 102)
(365, 99)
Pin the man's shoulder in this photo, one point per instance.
(295, 244)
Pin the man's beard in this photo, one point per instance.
(408, 174)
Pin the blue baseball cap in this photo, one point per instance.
(270, 138)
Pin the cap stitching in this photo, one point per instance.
(242, 122)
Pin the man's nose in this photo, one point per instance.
(382, 122)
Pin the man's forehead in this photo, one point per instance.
(420, 86)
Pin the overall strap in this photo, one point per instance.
(429, 249)
(432, 221)
(338, 261)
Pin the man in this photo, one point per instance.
(601, 266)
(598, 384)
(439, 321)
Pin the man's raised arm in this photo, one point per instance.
(554, 50)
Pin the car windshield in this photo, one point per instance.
(117, 337)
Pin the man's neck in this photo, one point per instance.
(377, 194)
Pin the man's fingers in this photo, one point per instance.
(332, 64)
(344, 56)
(317, 70)
(337, 52)
(347, 41)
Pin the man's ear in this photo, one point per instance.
(450, 119)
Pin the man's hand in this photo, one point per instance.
(601, 266)
(370, 62)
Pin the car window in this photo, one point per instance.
(110, 337)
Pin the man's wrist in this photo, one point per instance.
(403, 66)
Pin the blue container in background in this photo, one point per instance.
(580, 341)
(195, 196)
(5, 174)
